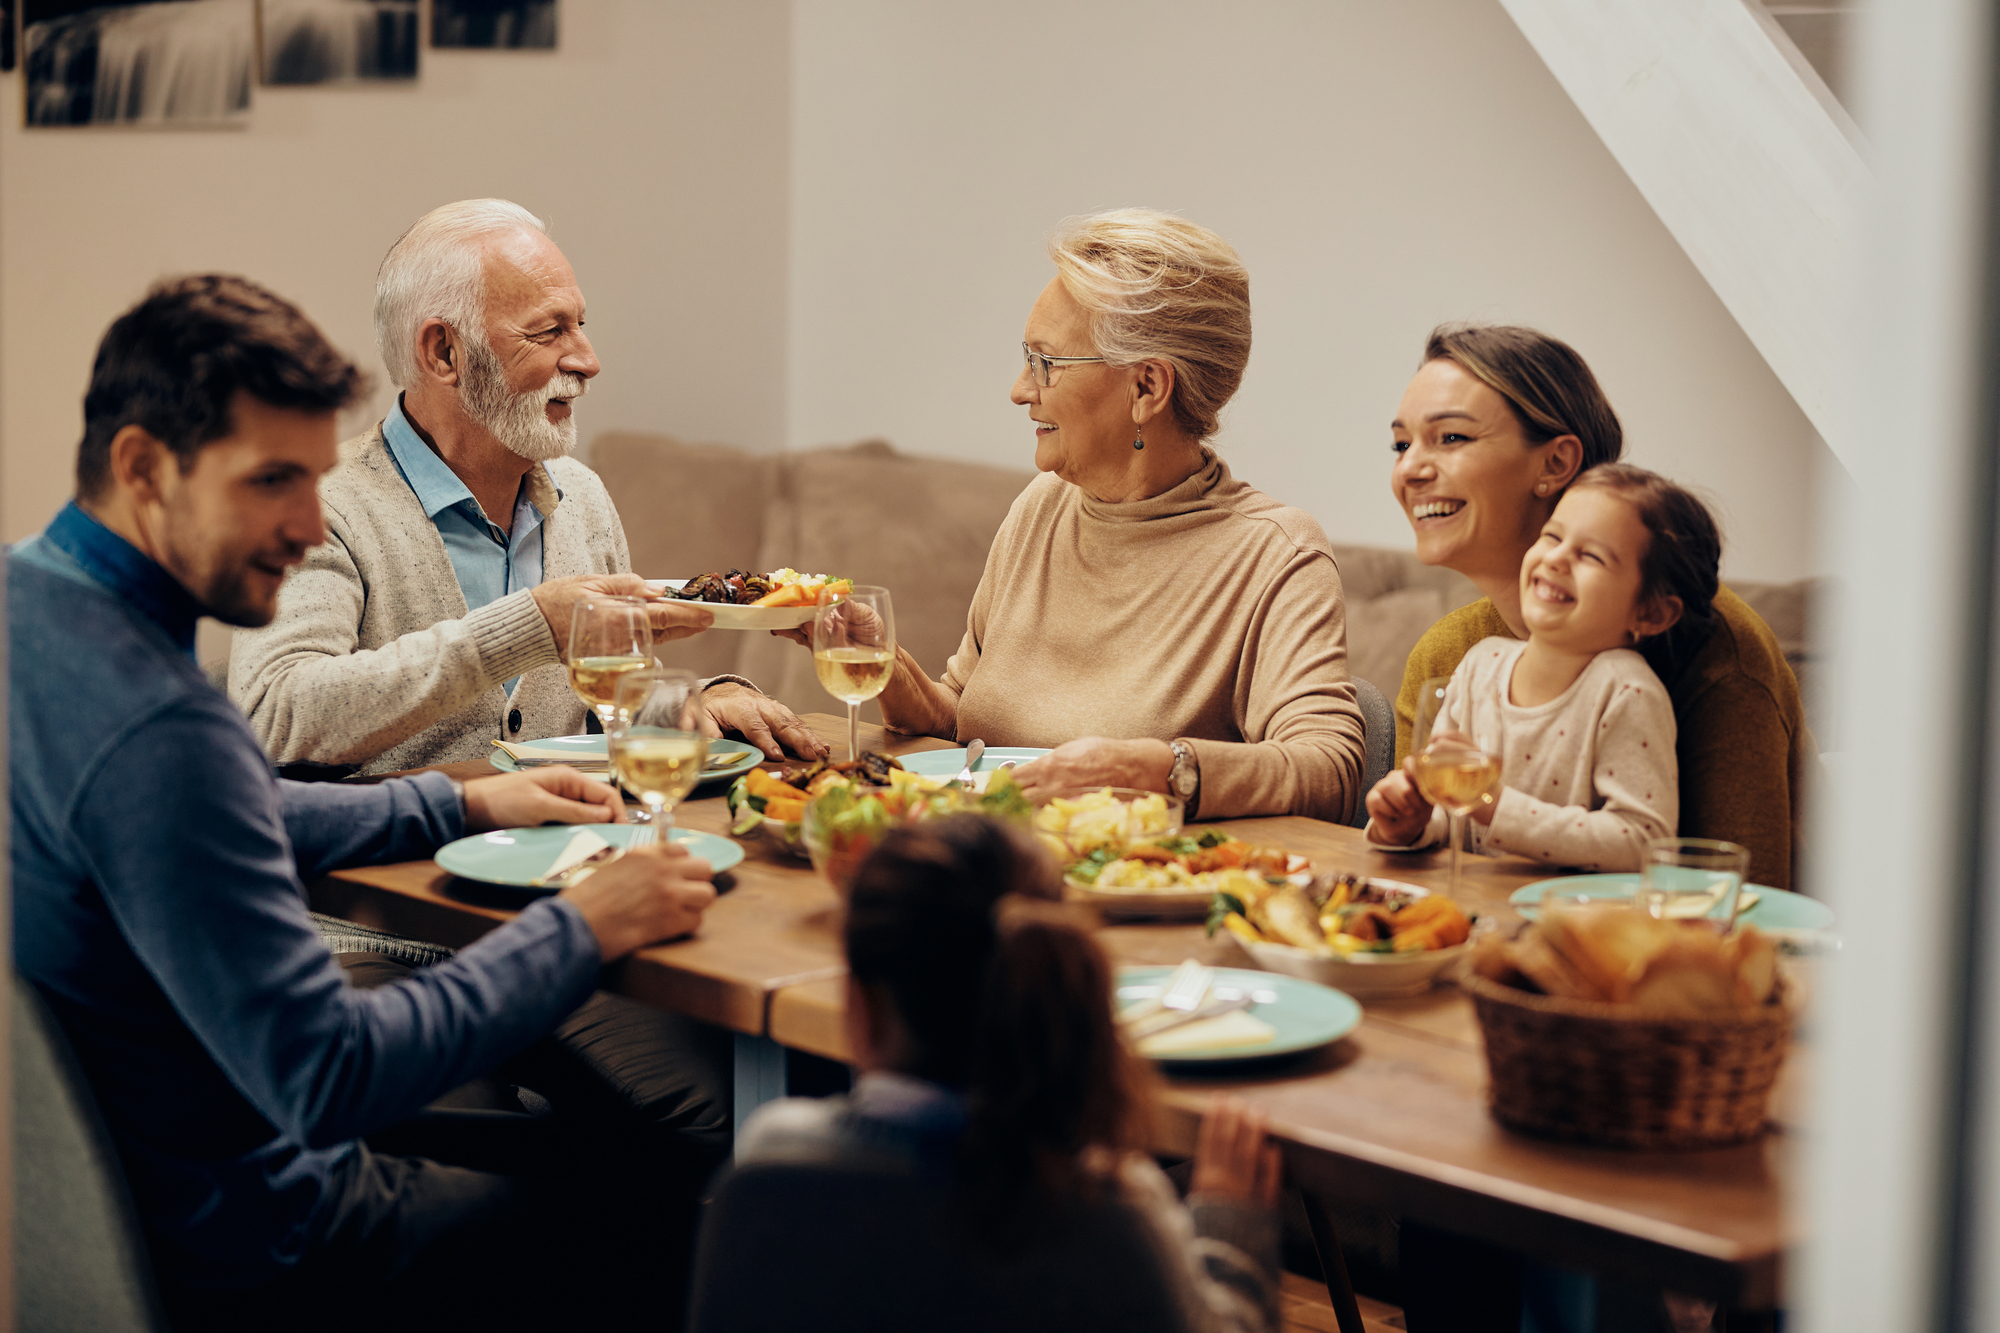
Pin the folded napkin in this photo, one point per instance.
(1225, 1031)
(569, 754)
(582, 845)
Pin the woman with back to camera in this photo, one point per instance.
(979, 1020)
(1157, 622)
(1496, 424)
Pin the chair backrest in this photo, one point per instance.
(79, 1261)
(836, 1248)
(1378, 741)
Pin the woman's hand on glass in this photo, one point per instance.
(1098, 761)
(1234, 1159)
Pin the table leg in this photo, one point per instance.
(760, 1074)
(1346, 1310)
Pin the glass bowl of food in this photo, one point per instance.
(841, 826)
(1079, 821)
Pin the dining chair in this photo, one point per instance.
(1378, 742)
(878, 1248)
(80, 1262)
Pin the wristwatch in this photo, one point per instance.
(1184, 778)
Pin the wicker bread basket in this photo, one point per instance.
(1616, 1075)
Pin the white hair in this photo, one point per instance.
(437, 271)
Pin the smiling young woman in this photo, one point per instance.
(1493, 428)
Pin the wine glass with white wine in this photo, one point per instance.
(655, 743)
(608, 637)
(1452, 771)
(854, 650)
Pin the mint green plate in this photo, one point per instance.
(1775, 909)
(519, 856)
(590, 750)
(946, 763)
(1305, 1013)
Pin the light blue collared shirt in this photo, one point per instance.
(489, 563)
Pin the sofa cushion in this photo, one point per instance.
(920, 527)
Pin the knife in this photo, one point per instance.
(1167, 1020)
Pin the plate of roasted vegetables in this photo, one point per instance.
(782, 599)
(1178, 875)
(1375, 938)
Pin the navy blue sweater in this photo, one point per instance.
(158, 906)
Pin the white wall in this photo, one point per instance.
(1381, 164)
(807, 222)
(654, 142)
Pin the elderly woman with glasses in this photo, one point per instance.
(1155, 621)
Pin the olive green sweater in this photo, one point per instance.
(1744, 748)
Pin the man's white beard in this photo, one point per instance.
(518, 420)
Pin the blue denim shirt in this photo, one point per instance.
(489, 563)
(159, 907)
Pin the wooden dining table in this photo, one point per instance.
(1392, 1118)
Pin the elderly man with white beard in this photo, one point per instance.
(461, 532)
(433, 618)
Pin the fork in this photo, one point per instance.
(972, 756)
(643, 835)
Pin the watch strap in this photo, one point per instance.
(1185, 763)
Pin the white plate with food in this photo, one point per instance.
(1176, 876)
(797, 596)
(1373, 938)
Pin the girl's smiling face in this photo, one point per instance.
(1582, 580)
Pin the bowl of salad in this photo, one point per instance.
(845, 820)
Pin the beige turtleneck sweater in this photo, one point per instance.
(1211, 613)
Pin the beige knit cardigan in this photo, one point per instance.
(373, 658)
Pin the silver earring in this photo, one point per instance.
(1542, 489)
(1139, 438)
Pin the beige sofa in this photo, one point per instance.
(921, 527)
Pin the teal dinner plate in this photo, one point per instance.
(590, 750)
(1305, 1013)
(519, 856)
(947, 763)
(1775, 909)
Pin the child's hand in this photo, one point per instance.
(1397, 812)
(1233, 1160)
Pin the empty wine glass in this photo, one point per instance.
(1688, 878)
(1452, 772)
(854, 650)
(608, 637)
(655, 743)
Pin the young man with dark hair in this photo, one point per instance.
(157, 864)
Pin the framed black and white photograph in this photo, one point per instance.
(338, 41)
(494, 24)
(143, 62)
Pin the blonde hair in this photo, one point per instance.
(1157, 287)
(436, 270)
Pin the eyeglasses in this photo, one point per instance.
(1042, 367)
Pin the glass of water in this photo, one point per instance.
(1693, 878)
